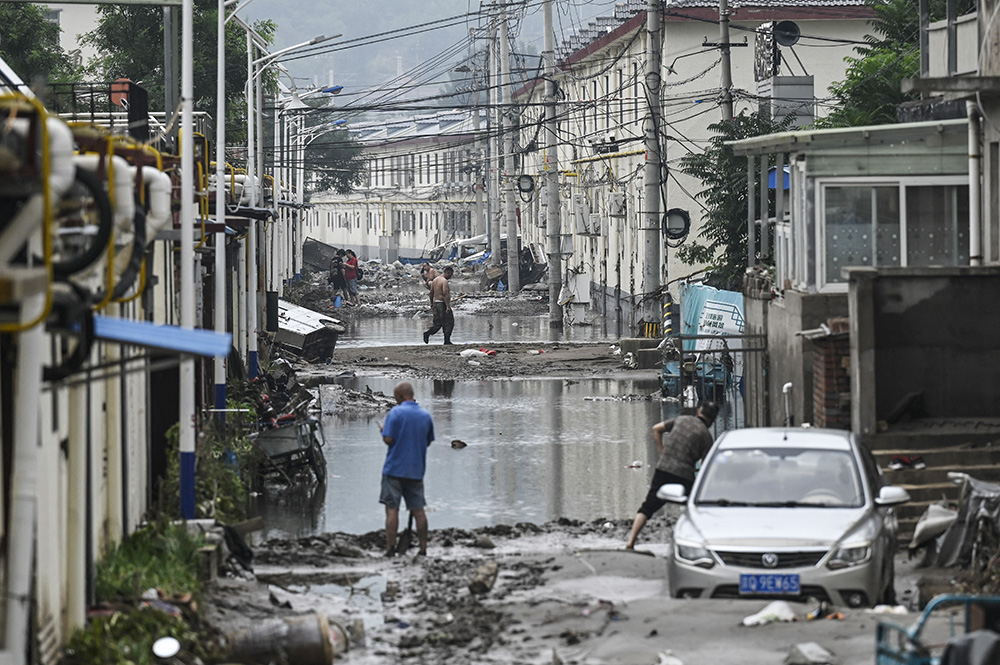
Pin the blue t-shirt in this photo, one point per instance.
(412, 430)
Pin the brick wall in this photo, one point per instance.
(832, 380)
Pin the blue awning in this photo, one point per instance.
(171, 338)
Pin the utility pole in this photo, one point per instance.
(493, 181)
(652, 173)
(553, 219)
(727, 69)
(479, 224)
(507, 111)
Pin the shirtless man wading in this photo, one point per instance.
(444, 318)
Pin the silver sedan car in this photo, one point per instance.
(786, 513)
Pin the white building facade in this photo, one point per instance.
(420, 190)
(601, 109)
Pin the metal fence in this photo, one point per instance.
(728, 369)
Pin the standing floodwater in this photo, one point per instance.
(537, 450)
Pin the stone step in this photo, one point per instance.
(948, 456)
(939, 474)
(972, 432)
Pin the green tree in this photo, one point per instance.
(129, 44)
(722, 242)
(871, 92)
(334, 157)
(30, 44)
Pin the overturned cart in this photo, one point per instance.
(292, 448)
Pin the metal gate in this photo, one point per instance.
(728, 369)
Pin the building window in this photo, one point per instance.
(910, 223)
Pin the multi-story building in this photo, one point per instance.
(601, 73)
(421, 189)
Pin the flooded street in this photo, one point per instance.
(538, 450)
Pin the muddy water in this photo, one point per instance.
(537, 450)
(471, 328)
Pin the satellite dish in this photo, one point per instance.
(787, 33)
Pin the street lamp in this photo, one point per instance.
(274, 56)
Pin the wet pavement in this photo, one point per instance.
(537, 450)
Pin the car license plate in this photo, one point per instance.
(770, 583)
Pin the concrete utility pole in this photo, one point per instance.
(727, 69)
(553, 219)
(479, 223)
(493, 182)
(510, 214)
(651, 175)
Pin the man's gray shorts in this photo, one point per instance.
(393, 489)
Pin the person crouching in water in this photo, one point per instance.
(444, 318)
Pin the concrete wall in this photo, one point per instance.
(932, 331)
(790, 355)
(755, 318)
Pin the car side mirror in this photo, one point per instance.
(891, 495)
(673, 493)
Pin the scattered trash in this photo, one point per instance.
(668, 658)
(824, 611)
(810, 653)
(907, 461)
(608, 525)
(474, 353)
(514, 325)
(486, 576)
(535, 352)
(935, 521)
(635, 465)
(888, 609)
(489, 352)
(483, 542)
(779, 610)
(475, 363)
(630, 361)
(458, 444)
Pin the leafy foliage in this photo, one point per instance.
(129, 43)
(334, 158)
(224, 465)
(871, 92)
(30, 44)
(723, 238)
(160, 555)
(126, 638)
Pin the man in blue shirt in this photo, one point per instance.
(408, 431)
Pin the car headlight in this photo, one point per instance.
(695, 555)
(848, 556)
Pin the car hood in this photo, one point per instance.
(800, 527)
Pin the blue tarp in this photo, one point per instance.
(171, 338)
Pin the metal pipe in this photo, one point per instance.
(186, 435)
(24, 483)
(975, 197)
(220, 209)
(76, 516)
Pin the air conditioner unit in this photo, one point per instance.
(596, 224)
(581, 212)
(616, 204)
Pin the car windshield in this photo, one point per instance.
(781, 477)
